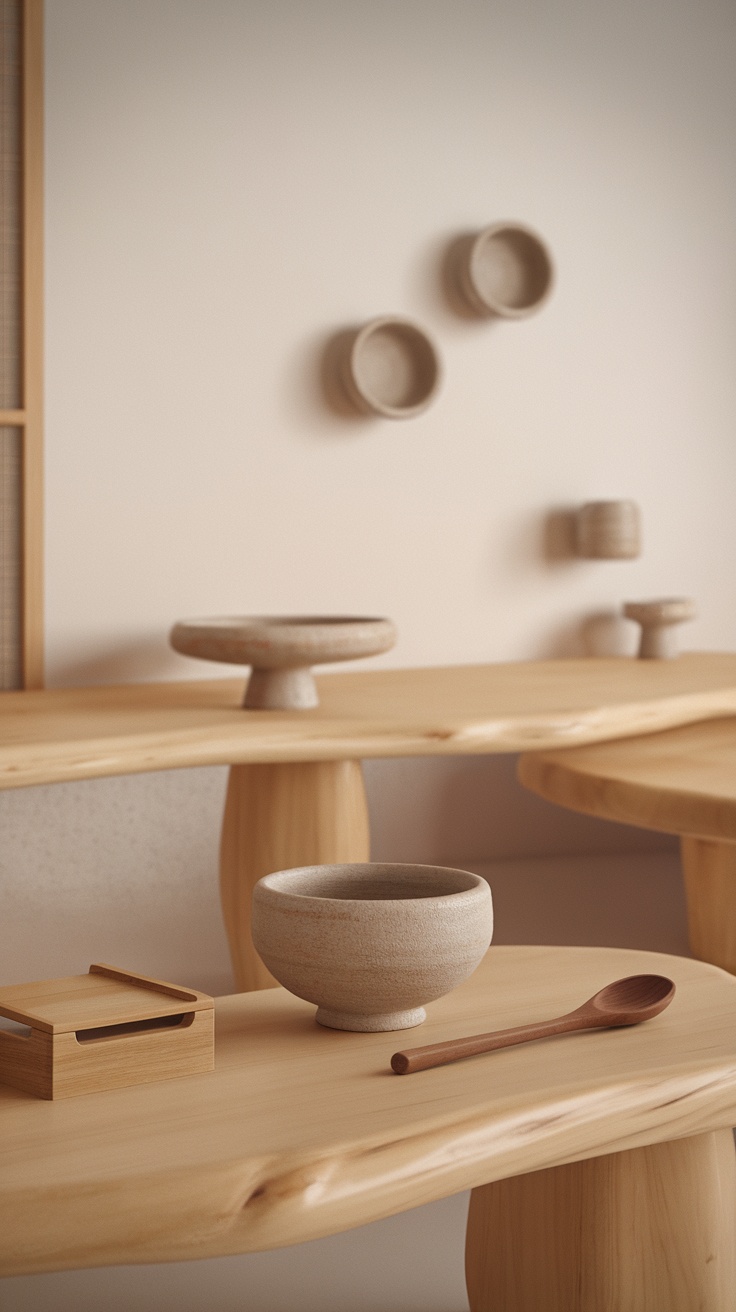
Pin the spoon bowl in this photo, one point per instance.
(632, 999)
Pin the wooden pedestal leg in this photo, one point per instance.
(709, 870)
(277, 816)
(648, 1230)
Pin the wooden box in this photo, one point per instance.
(103, 1030)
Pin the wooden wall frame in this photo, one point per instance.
(27, 417)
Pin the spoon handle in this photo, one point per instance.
(441, 1054)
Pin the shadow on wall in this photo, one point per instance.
(600, 633)
(146, 659)
(472, 809)
(556, 877)
(545, 540)
(624, 900)
(133, 660)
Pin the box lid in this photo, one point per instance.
(105, 996)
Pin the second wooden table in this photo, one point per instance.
(680, 782)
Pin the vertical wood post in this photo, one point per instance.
(277, 816)
(709, 871)
(32, 345)
(648, 1230)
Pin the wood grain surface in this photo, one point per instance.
(104, 996)
(68, 1065)
(648, 1230)
(709, 875)
(302, 1131)
(53, 735)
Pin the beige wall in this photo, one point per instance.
(230, 182)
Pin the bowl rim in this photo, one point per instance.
(279, 622)
(661, 610)
(269, 884)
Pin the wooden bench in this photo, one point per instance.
(602, 1169)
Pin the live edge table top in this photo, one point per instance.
(301, 1132)
(65, 734)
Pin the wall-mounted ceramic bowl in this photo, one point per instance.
(281, 648)
(390, 368)
(658, 620)
(609, 530)
(505, 270)
(371, 943)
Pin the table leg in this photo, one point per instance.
(709, 870)
(647, 1230)
(293, 813)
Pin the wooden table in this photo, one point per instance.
(681, 782)
(603, 1173)
(296, 795)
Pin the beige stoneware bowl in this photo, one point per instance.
(371, 943)
(506, 270)
(391, 368)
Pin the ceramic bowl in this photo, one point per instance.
(506, 270)
(372, 943)
(281, 648)
(609, 530)
(390, 368)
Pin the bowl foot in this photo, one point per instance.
(281, 690)
(373, 1024)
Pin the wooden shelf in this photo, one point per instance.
(54, 735)
(301, 1132)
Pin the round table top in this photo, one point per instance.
(682, 781)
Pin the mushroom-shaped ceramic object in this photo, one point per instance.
(505, 270)
(390, 368)
(371, 943)
(281, 649)
(658, 620)
(608, 530)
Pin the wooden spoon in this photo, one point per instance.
(624, 1002)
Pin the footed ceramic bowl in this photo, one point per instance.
(281, 649)
(372, 943)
